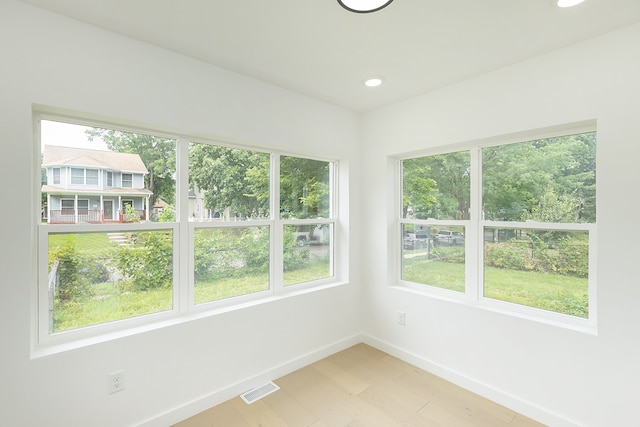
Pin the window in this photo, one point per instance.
(250, 224)
(56, 176)
(91, 176)
(77, 176)
(82, 176)
(524, 210)
(127, 180)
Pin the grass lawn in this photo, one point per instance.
(554, 292)
(93, 243)
(108, 303)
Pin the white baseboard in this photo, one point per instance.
(510, 401)
(209, 400)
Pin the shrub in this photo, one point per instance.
(70, 285)
(148, 264)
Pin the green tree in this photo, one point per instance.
(437, 186)
(231, 178)
(157, 154)
(541, 180)
(304, 188)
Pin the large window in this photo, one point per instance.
(238, 225)
(511, 223)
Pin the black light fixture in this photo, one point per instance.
(364, 6)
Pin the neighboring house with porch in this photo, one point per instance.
(93, 186)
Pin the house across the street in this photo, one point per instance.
(93, 186)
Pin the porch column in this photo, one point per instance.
(75, 205)
(147, 209)
(101, 208)
(49, 208)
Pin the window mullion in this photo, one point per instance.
(277, 228)
(474, 273)
(183, 264)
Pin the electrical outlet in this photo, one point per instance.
(116, 382)
(401, 318)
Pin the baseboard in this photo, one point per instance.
(209, 400)
(505, 399)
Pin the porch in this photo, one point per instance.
(95, 216)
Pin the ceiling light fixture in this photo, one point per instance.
(373, 82)
(568, 3)
(364, 6)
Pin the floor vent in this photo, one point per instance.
(259, 392)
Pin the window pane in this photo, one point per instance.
(307, 252)
(230, 262)
(227, 183)
(538, 268)
(434, 256)
(102, 277)
(436, 186)
(77, 176)
(305, 188)
(92, 176)
(127, 180)
(547, 180)
(68, 156)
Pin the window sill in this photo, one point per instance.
(85, 337)
(573, 323)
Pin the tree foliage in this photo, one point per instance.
(304, 188)
(437, 186)
(231, 178)
(547, 180)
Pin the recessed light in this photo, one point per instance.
(568, 3)
(373, 82)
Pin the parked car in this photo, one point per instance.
(415, 240)
(449, 238)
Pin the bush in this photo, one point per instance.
(567, 256)
(148, 264)
(70, 285)
(448, 254)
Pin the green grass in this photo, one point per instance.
(230, 287)
(94, 243)
(554, 292)
(316, 270)
(109, 304)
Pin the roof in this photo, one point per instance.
(55, 155)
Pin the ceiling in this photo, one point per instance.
(317, 48)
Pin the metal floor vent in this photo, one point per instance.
(259, 392)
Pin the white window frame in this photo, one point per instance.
(183, 309)
(109, 179)
(474, 241)
(55, 176)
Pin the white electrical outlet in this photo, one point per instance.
(401, 318)
(116, 382)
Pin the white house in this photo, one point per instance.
(93, 186)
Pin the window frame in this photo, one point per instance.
(474, 241)
(184, 308)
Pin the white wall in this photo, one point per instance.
(54, 61)
(560, 376)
